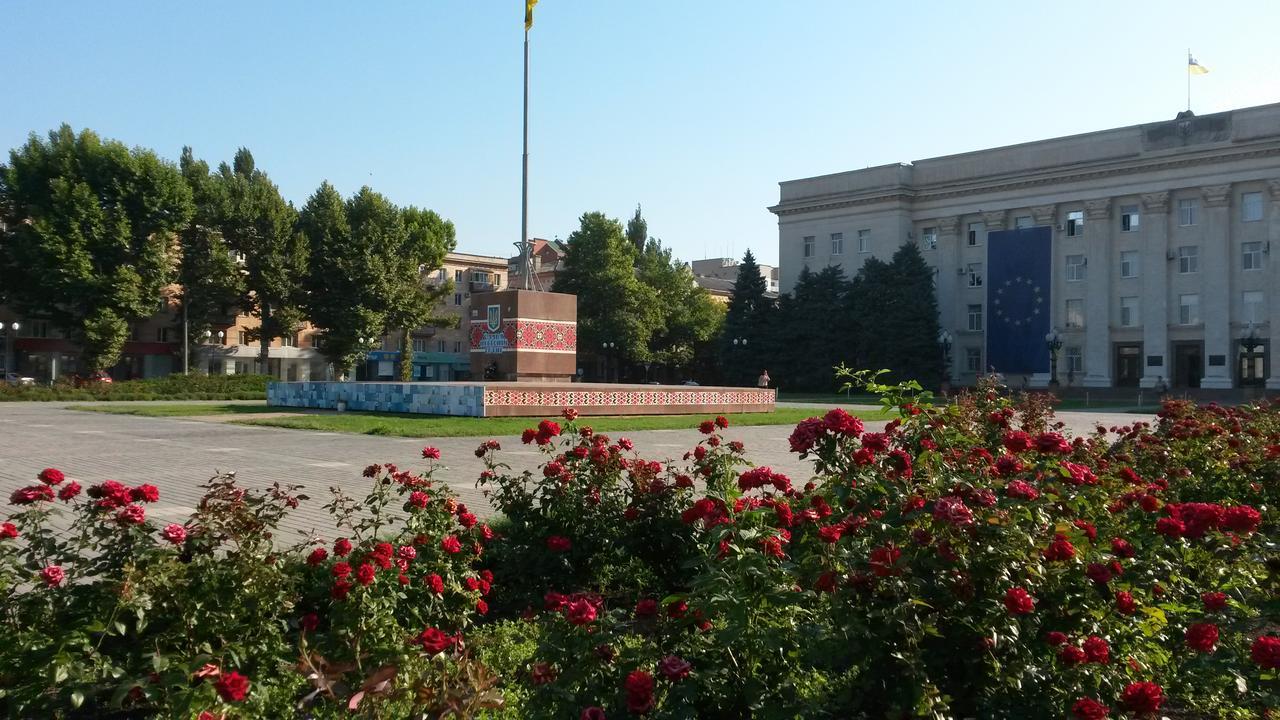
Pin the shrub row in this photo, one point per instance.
(965, 561)
(169, 387)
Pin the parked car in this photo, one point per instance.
(690, 382)
(100, 377)
(14, 378)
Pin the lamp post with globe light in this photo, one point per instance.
(10, 332)
(609, 347)
(1053, 341)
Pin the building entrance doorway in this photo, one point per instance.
(1128, 365)
(1188, 364)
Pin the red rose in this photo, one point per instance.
(558, 543)
(647, 607)
(406, 552)
(882, 560)
(1016, 441)
(309, 622)
(451, 545)
(51, 476)
(53, 575)
(340, 590)
(1266, 651)
(1060, 548)
(1214, 601)
(317, 556)
(706, 427)
(569, 414)
(430, 453)
(8, 531)
(232, 686)
(482, 607)
(1052, 442)
(340, 570)
(722, 422)
(831, 533)
(69, 491)
(1098, 573)
(434, 641)
(1122, 548)
(1241, 519)
(674, 668)
(131, 515)
(342, 547)
(1089, 709)
(419, 499)
(436, 582)
(1018, 601)
(31, 494)
(639, 687)
(1202, 637)
(174, 533)
(1142, 697)
(592, 713)
(145, 493)
(1170, 527)
(543, 673)
(1125, 603)
(1021, 490)
(366, 574)
(840, 422)
(1055, 638)
(1097, 650)
(580, 612)
(626, 444)
(952, 510)
(677, 608)
(1071, 655)
(875, 442)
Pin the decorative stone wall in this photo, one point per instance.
(497, 399)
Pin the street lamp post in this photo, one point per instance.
(1053, 341)
(944, 342)
(609, 347)
(10, 331)
(741, 342)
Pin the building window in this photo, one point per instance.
(975, 318)
(1251, 207)
(1187, 211)
(973, 359)
(1188, 309)
(975, 274)
(1188, 259)
(457, 276)
(808, 246)
(1075, 223)
(441, 273)
(1129, 312)
(974, 237)
(1251, 306)
(1075, 268)
(162, 334)
(497, 279)
(1129, 264)
(864, 241)
(1075, 313)
(133, 332)
(440, 346)
(288, 341)
(837, 243)
(243, 337)
(457, 298)
(1252, 257)
(457, 346)
(1075, 359)
(1129, 218)
(929, 238)
(420, 345)
(1022, 222)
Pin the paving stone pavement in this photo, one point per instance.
(178, 454)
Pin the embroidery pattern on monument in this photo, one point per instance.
(599, 398)
(537, 335)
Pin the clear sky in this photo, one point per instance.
(695, 109)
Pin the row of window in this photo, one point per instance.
(477, 276)
(837, 243)
(424, 345)
(1072, 355)
(1131, 314)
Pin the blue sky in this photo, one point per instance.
(693, 109)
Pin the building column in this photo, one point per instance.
(949, 314)
(992, 221)
(1097, 324)
(1273, 289)
(1215, 287)
(1047, 216)
(1155, 307)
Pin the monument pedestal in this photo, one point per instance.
(524, 336)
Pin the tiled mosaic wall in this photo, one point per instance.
(426, 398)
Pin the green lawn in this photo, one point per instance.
(173, 409)
(404, 425)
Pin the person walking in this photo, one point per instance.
(763, 380)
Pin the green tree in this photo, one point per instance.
(89, 235)
(808, 332)
(428, 239)
(638, 232)
(260, 225)
(208, 274)
(893, 318)
(613, 305)
(749, 317)
(688, 321)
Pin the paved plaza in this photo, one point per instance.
(178, 454)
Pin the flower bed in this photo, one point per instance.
(966, 561)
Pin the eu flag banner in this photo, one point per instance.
(1019, 274)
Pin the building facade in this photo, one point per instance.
(547, 258)
(727, 269)
(1162, 235)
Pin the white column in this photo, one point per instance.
(1097, 323)
(1273, 289)
(992, 221)
(949, 306)
(1154, 275)
(1215, 286)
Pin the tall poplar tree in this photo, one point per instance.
(88, 238)
(211, 281)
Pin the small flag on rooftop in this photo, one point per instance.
(1193, 67)
(528, 14)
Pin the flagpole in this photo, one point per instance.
(525, 263)
(1188, 70)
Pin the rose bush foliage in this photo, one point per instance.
(967, 560)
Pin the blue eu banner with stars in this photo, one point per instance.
(1019, 271)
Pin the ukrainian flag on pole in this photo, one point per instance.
(528, 14)
(1193, 67)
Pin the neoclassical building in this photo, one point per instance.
(1159, 266)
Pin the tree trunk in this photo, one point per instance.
(406, 357)
(264, 349)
